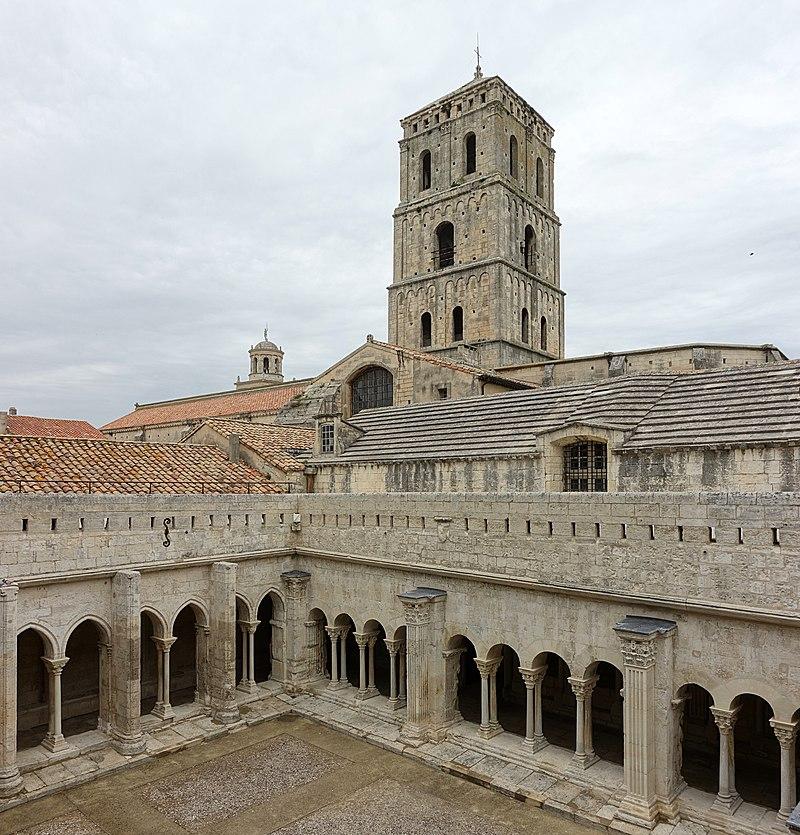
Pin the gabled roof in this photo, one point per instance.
(285, 447)
(40, 427)
(742, 406)
(262, 401)
(79, 465)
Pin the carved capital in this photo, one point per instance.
(582, 687)
(248, 626)
(638, 653)
(417, 612)
(786, 732)
(364, 639)
(55, 665)
(393, 645)
(487, 666)
(449, 653)
(725, 719)
(532, 677)
(296, 583)
(163, 644)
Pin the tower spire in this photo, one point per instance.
(478, 70)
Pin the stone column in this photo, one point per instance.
(298, 667)
(534, 735)
(452, 664)
(584, 750)
(222, 649)
(126, 655)
(639, 641)
(727, 800)
(163, 708)
(487, 667)
(333, 634)
(401, 687)
(344, 631)
(393, 648)
(362, 641)
(424, 616)
(10, 779)
(104, 696)
(315, 649)
(371, 688)
(54, 740)
(786, 732)
(202, 694)
(248, 630)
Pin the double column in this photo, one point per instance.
(727, 799)
(338, 636)
(583, 688)
(366, 664)
(163, 707)
(487, 667)
(397, 672)
(786, 733)
(248, 630)
(534, 735)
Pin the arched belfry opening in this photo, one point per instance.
(525, 326)
(513, 157)
(458, 324)
(529, 249)
(470, 153)
(539, 178)
(543, 333)
(425, 330)
(425, 171)
(445, 245)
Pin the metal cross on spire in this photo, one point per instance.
(478, 70)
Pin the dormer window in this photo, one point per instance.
(326, 438)
(586, 467)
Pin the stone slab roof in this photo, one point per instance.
(286, 447)
(264, 401)
(39, 427)
(743, 406)
(80, 465)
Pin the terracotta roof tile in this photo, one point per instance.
(280, 445)
(39, 427)
(79, 465)
(259, 401)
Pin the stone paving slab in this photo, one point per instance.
(73, 824)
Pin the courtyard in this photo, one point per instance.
(290, 776)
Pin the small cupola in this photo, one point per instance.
(266, 363)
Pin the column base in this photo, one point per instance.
(413, 735)
(488, 731)
(338, 685)
(55, 743)
(249, 687)
(369, 693)
(727, 805)
(129, 745)
(637, 811)
(163, 711)
(10, 781)
(535, 743)
(583, 761)
(226, 714)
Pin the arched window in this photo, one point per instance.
(371, 389)
(458, 324)
(445, 245)
(513, 168)
(525, 329)
(254, 365)
(425, 170)
(529, 249)
(469, 153)
(543, 334)
(539, 177)
(266, 365)
(425, 323)
(586, 467)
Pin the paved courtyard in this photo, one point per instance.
(289, 776)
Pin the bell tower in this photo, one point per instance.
(266, 364)
(476, 239)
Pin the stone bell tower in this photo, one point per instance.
(476, 239)
(266, 364)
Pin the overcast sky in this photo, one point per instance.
(173, 175)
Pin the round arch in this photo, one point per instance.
(159, 623)
(199, 609)
(103, 628)
(49, 640)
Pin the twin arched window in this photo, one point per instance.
(425, 170)
(458, 324)
(513, 165)
(470, 146)
(371, 389)
(426, 330)
(539, 177)
(445, 245)
(525, 326)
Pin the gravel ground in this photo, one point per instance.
(389, 808)
(235, 782)
(74, 824)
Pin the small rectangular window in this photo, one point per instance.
(598, 530)
(80, 524)
(741, 536)
(574, 528)
(624, 531)
(486, 526)
(53, 524)
(247, 520)
(25, 525)
(326, 438)
(152, 522)
(508, 525)
(191, 522)
(264, 520)
(652, 531)
(712, 534)
(105, 523)
(680, 533)
(528, 527)
(776, 536)
(280, 518)
(549, 528)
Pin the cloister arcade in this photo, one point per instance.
(732, 746)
